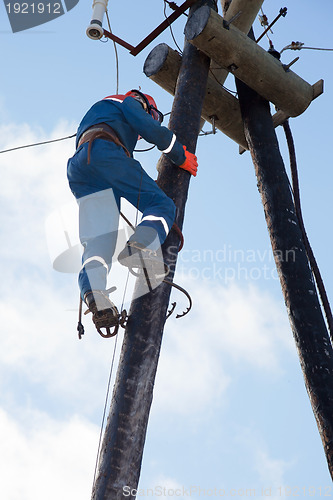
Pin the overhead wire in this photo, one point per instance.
(173, 5)
(170, 27)
(308, 249)
(265, 23)
(104, 411)
(294, 185)
(300, 46)
(62, 139)
(293, 45)
(38, 144)
(221, 84)
(116, 53)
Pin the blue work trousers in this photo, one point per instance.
(98, 188)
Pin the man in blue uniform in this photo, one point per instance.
(101, 172)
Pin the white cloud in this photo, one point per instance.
(39, 307)
(270, 472)
(227, 329)
(44, 458)
(33, 184)
(40, 344)
(161, 486)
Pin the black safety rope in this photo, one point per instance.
(104, 411)
(309, 251)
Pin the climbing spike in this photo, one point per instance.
(181, 289)
(170, 311)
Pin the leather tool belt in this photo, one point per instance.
(100, 131)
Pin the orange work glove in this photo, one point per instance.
(191, 163)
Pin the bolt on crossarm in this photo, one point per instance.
(125, 433)
(299, 291)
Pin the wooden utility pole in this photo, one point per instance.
(305, 315)
(124, 438)
(162, 66)
(249, 62)
(224, 40)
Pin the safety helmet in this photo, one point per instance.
(148, 103)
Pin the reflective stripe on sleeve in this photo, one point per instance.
(172, 143)
(159, 219)
(98, 258)
(112, 99)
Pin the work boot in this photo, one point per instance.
(104, 312)
(137, 256)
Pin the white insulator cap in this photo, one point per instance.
(95, 30)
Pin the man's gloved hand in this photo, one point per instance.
(191, 163)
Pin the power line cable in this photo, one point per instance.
(63, 139)
(309, 251)
(265, 23)
(104, 411)
(116, 53)
(300, 45)
(171, 30)
(37, 144)
(221, 84)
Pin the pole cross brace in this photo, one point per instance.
(154, 34)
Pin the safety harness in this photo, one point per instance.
(100, 131)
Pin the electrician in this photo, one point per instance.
(101, 172)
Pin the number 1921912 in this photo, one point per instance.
(287, 491)
(34, 8)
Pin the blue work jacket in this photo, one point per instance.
(129, 120)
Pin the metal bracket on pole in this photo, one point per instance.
(213, 131)
(226, 24)
(155, 33)
(283, 13)
(287, 66)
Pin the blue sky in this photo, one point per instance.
(230, 408)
